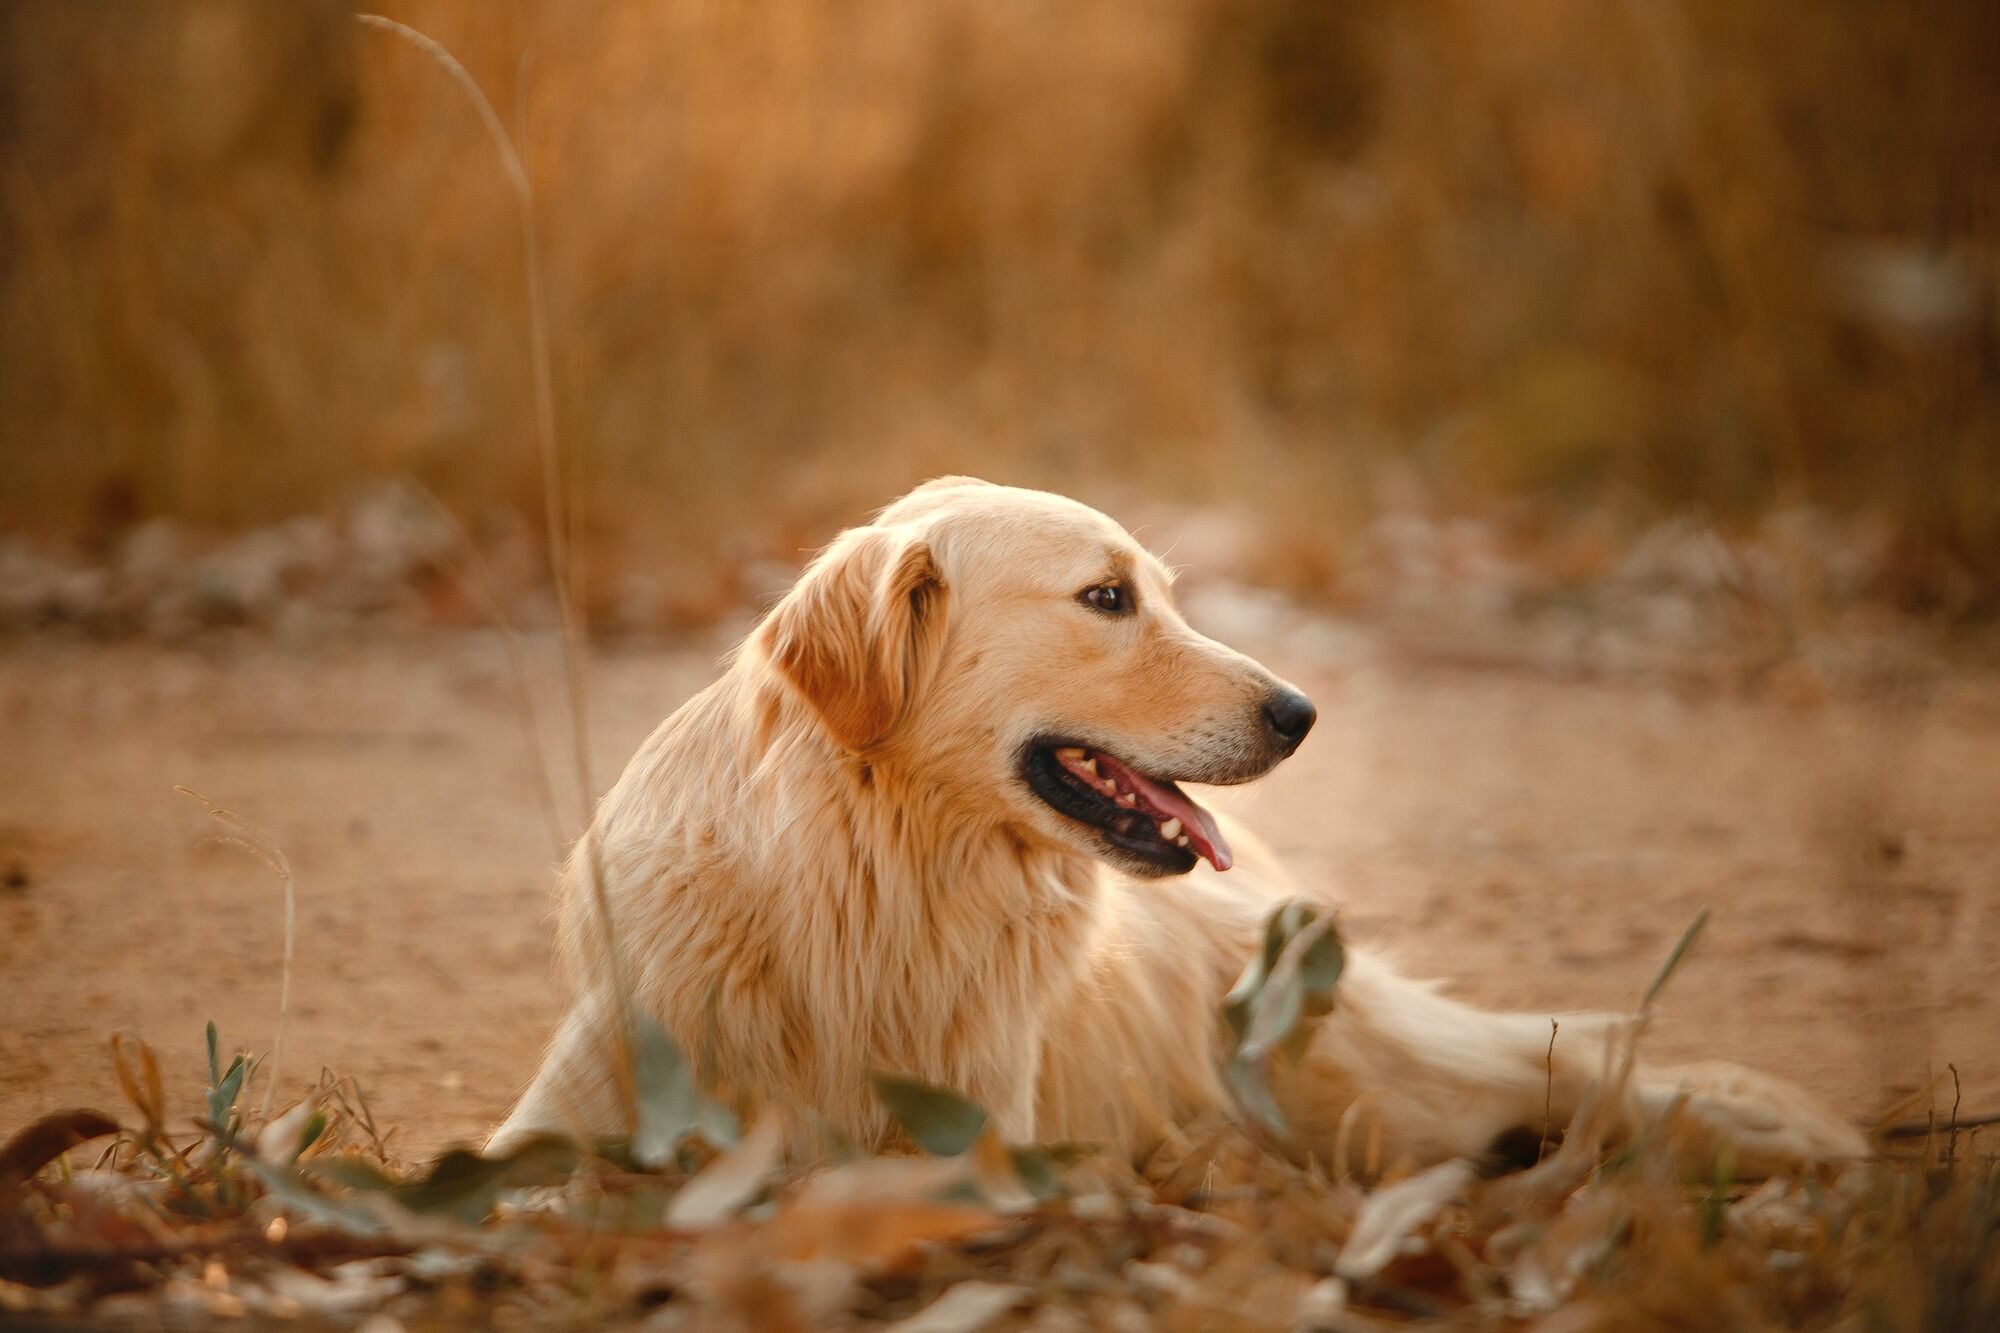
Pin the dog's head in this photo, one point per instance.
(1019, 655)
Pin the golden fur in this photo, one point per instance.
(829, 863)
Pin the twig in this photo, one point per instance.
(540, 368)
(1957, 1096)
(357, 1112)
(1903, 1103)
(1548, 1093)
(1917, 1129)
(1621, 1049)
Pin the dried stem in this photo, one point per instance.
(1548, 1092)
(559, 530)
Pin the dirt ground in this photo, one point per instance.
(1538, 840)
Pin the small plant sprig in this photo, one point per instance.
(1286, 985)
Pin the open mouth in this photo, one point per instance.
(1146, 818)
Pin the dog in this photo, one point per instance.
(929, 821)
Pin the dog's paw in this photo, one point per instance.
(1767, 1125)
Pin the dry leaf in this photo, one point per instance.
(139, 1076)
(995, 1174)
(47, 1139)
(348, 1287)
(733, 1179)
(1546, 1271)
(872, 1235)
(1391, 1214)
(965, 1308)
(279, 1140)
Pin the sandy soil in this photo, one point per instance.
(1540, 841)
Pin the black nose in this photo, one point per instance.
(1290, 715)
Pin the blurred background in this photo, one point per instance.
(1562, 269)
(1594, 405)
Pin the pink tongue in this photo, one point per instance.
(1197, 823)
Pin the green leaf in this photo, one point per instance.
(1040, 1166)
(1279, 928)
(214, 1069)
(464, 1185)
(1687, 940)
(222, 1096)
(1302, 980)
(1323, 961)
(940, 1121)
(1322, 958)
(309, 1135)
(1250, 1081)
(1277, 1012)
(670, 1105)
(291, 1189)
(835, 1146)
(1294, 977)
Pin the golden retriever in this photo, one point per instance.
(928, 821)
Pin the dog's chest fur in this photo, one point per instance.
(757, 874)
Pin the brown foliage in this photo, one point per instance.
(797, 256)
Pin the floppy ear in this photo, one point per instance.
(858, 634)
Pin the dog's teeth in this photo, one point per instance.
(1070, 752)
(1088, 765)
(1181, 841)
(1127, 799)
(1110, 787)
(1171, 829)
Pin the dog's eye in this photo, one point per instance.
(1111, 598)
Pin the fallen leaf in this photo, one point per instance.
(348, 1287)
(1291, 980)
(876, 1212)
(1546, 1270)
(279, 1140)
(733, 1179)
(464, 1184)
(47, 1139)
(937, 1119)
(965, 1308)
(1390, 1215)
(671, 1106)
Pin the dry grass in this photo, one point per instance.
(1562, 259)
(696, 1221)
(797, 260)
